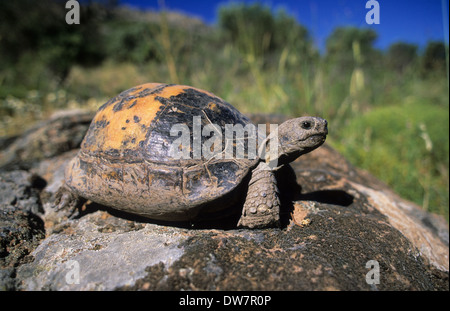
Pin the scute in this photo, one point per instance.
(120, 126)
(181, 109)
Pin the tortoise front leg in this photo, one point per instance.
(262, 205)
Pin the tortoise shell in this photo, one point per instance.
(124, 160)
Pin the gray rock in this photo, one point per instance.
(20, 189)
(99, 254)
(7, 279)
(64, 131)
(20, 228)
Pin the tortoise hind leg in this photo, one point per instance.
(262, 205)
(68, 202)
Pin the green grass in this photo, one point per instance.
(405, 145)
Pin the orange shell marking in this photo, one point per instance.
(125, 128)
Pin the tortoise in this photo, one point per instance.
(128, 159)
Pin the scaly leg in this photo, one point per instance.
(262, 205)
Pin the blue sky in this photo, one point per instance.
(413, 21)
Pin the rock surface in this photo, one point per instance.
(64, 131)
(21, 229)
(338, 223)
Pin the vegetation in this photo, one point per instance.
(388, 110)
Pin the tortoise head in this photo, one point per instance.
(296, 137)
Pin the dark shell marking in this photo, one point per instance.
(124, 159)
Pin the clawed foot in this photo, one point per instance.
(67, 202)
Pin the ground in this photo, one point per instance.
(337, 221)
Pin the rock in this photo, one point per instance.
(340, 227)
(427, 232)
(19, 190)
(64, 131)
(20, 228)
(99, 252)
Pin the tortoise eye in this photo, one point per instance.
(306, 125)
